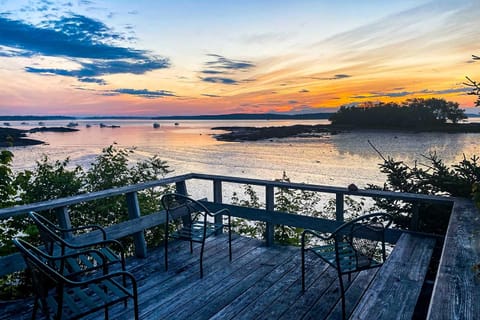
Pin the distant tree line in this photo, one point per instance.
(412, 113)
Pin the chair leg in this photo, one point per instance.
(342, 292)
(166, 253)
(229, 239)
(303, 267)
(124, 278)
(135, 303)
(201, 259)
(35, 307)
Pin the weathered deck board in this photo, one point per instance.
(184, 272)
(252, 294)
(260, 283)
(354, 293)
(394, 291)
(313, 292)
(272, 303)
(456, 294)
(248, 270)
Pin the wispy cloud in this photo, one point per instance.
(213, 72)
(144, 93)
(410, 93)
(211, 95)
(219, 80)
(222, 63)
(93, 80)
(219, 65)
(335, 77)
(104, 67)
(85, 2)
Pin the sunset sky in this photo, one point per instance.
(215, 57)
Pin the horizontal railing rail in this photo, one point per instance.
(85, 197)
(137, 223)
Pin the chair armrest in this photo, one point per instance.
(93, 226)
(103, 263)
(97, 243)
(78, 254)
(220, 212)
(313, 233)
(72, 254)
(316, 234)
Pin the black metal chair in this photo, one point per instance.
(57, 242)
(189, 220)
(354, 246)
(62, 298)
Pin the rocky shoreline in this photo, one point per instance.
(262, 133)
(10, 137)
(238, 134)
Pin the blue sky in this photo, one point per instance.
(212, 57)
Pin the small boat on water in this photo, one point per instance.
(41, 123)
(156, 125)
(176, 123)
(7, 124)
(72, 124)
(102, 125)
(88, 125)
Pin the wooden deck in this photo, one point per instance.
(260, 283)
(264, 281)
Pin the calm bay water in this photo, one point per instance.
(336, 160)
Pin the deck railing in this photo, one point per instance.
(137, 222)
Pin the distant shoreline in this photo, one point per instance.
(11, 137)
(232, 116)
(238, 134)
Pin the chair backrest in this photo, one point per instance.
(50, 233)
(181, 206)
(366, 235)
(44, 277)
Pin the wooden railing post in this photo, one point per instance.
(64, 221)
(339, 207)
(415, 216)
(133, 213)
(217, 198)
(181, 188)
(270, 205)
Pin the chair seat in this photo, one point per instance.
(193, 222)
(79, 301)
(195, 232)
(350, 260)
(87, 262)
(68, 297)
